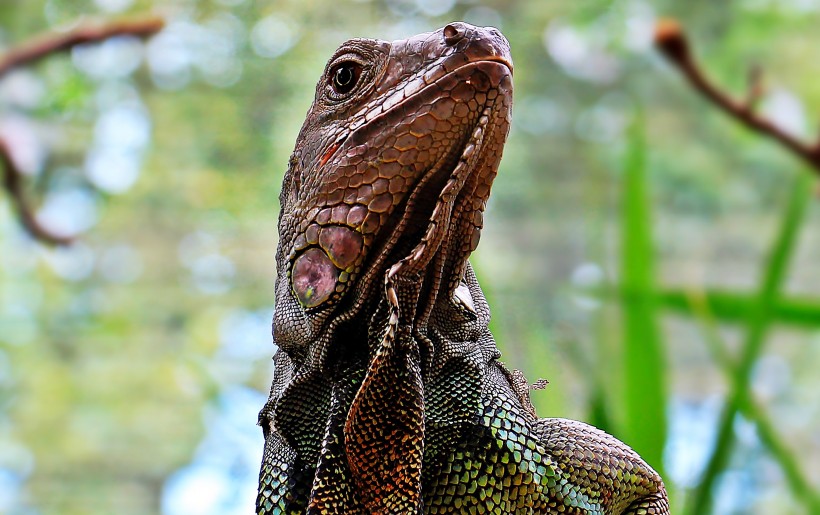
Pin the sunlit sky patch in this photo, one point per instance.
(221, 479)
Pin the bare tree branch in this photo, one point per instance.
(673, 43)
(32, 51)
(12, 182)
(45, 45)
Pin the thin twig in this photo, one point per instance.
(45, 45)
(673, 43)
(32, 51)
(12, 182)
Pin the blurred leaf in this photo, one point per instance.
(644, 368)
(759, 320)
(70, 94)
(728, 305)
(800, 485)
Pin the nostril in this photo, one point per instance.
(453, 34)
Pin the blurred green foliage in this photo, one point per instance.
(630, 267)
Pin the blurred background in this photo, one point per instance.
(653, 260)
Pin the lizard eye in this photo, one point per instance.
(344, 76)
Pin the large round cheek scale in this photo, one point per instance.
(313, 277)
(342, 245)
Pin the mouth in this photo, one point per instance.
(500, 60)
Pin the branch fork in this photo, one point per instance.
(672, 42)
(35, 50)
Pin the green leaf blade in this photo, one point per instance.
(644, 367)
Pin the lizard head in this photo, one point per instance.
(391, 174)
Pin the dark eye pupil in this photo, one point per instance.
(344, 77)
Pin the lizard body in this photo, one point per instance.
(388, 396)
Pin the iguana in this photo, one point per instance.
(388, 395)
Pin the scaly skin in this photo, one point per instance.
(388, 396)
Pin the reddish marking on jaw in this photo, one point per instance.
(327, 154)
